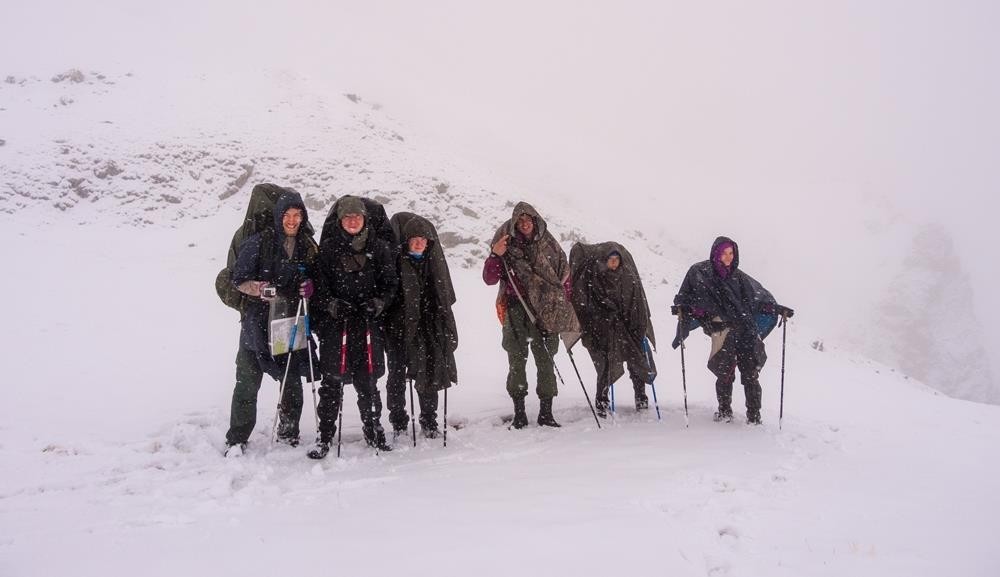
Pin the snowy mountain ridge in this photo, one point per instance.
(86, 145)
(114, 425)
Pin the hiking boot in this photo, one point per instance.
(641, 403)
(319, 450)
(288, 431)
(235, 450)
(753, 417)
(400, 423)
(545, 418)
(520, 416)
(601, 407)
(724, 414)
(375, 437)
(290, 441)
(430, 430)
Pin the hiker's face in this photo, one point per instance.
(614, 261)
(525, 225)
(417, 245)
(353, 223)
(291, 221)
(727, 256)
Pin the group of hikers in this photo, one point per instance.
(381, 296)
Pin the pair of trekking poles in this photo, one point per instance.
(651, 375)
(303, 310)
(785, 314)
(572, 360)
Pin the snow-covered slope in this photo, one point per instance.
(120, 367)
(119, 375)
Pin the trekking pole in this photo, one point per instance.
(677, 310)
(531, 317)
(413, 416)
(612, 399)
(371, 371)
(784, 333)
(288, 363)
(445, 416)
(649, 363)
(312, 374)
(585, 394)
(343, 370)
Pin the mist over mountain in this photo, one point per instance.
(848, 148)
(156, 148)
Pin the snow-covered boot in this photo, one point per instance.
(375, 437)
(319, 450)
(520, 416)
(724, 414)
(545, 418)
(753, 417)
(429, 429)
(235, 450)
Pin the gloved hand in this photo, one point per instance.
(784, 311)
(306, 289)
(374, 306)
(339, 308)
(677, 310)
(681, 334)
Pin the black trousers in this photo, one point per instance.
(636, 370)
(742, 350)
(395, 389)
(243, 413)
(331, 397)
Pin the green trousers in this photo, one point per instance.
(518, 335)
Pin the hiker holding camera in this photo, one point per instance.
(274, 262)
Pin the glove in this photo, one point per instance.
(784, 311)
(680, 310)
(374, 306)
(306, 289)
(681, 334)
(339, 308)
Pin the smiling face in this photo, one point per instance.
(417, 245)
(525, 225)
(291, 221)
(352, 223)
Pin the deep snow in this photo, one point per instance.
(119, 364)
(113, 433)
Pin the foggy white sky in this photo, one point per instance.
(803, 130)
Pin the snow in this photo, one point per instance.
(112, 446)
(120, 189)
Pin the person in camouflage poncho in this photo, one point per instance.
(533, 273)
